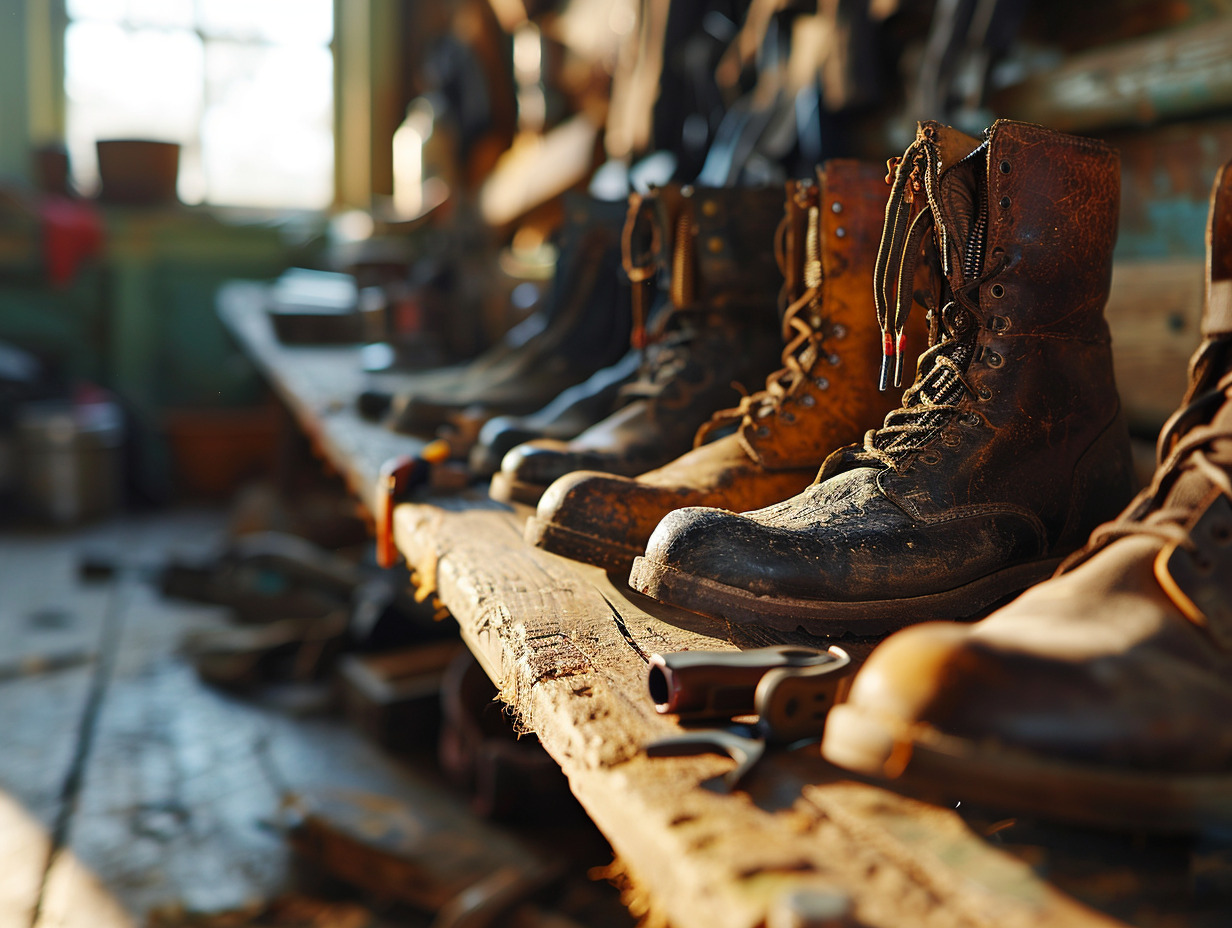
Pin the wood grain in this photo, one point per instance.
(567, 648)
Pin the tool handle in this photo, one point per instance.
(792, 702)
(720, 684)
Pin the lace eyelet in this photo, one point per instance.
(822, 383)
(984, 393)
(1004, 167)
(997, 291)
(953, 439)
(807, 400)
(1202, 564)
(839, 330)
(762, 431)
(929, 457)
(970, 420)
(998, 323)
(788, 417)
(1221, 534)
(1005, 202)
(836, 207)
(834, 360)
(992, 359)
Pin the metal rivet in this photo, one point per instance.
(834, 360)
(836, 207)
(822, 383)
(998, 291)
(840, 232)
(715, 244)
(1005, 167)
(686, 191)
(1005, 202)
(710, 208)
(840, 330)
(992, 359)
(807, 400)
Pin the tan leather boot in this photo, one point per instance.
(1102, 695)
(823, 397)
(1009, 447)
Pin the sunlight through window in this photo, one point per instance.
(245, 86)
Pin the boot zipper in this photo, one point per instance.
(973, 256)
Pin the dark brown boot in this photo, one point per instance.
(823, 397)
(1103, 695)
(1009, 447)
(715, 254)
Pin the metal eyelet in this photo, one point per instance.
(822, 383)
(951, 438)
(998, 323)
(807, 400)
(1004, 166)
(840, 232)
(1221, 533)
(929, 457)
(762, 431)
(834, 360)
(836, 207)
(839, 330)
(992, 359)
(997, 290)
(984, 393)
(970, 420)
(788, 416)
(1005, 202)
(1202, 564)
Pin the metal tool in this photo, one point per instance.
(791, 703)
(698, 685)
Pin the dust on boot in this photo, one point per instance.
(1102, 695)
(711, 251)
(822, 397)
(1010, 445)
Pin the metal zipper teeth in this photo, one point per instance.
(973, 257)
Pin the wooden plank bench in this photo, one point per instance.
(567, 647)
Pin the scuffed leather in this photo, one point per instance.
(1029, 465)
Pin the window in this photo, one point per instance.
(245, 86)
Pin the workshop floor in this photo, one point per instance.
(130, 793)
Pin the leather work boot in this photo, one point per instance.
(585, 328)
(712, 248)
(822, 397)
(1009, 447)
(1102, 695)
(567, 416)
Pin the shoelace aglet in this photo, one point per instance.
(900, 342)
(887, 352)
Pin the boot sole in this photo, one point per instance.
(927, 763)
(504, 489)
(831, 619)
(579, 546)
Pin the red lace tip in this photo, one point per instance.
(887, 348)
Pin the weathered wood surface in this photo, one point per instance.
(1155, 314)
(568, 648)
(319, 385)
(1182, 72)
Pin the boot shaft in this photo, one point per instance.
(827, 242)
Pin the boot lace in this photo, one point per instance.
(1195, 450)
(941, 381)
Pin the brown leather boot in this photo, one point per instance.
(1009, 447)
(823, 396)
(1103, 695)
(720, 328)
